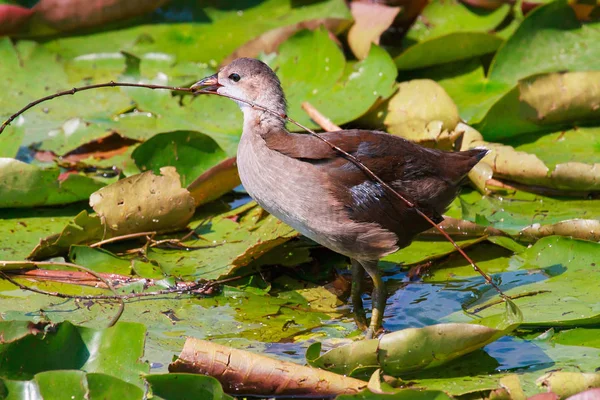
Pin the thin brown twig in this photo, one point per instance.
(75, 266)
(122, 237)
(285, 117)
(516, 296)
(191, 289)
(83, 88)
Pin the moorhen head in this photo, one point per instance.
(306, 184)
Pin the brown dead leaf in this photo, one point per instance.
(521, 167)
(269, 41)
(244, 373)
(103, 148)
(215, 182)
(587, 229)
(67, 15)
(144, 202)
(370, 21)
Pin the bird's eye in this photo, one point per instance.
(234, 77)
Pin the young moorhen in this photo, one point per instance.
(306, 184)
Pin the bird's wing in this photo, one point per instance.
(428, 178)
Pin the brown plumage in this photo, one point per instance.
(305, 183)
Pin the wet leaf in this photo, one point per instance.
(243, 373)
(562, 292)
(423, 250)
(26, 185)
(370, 21)
(144, 203)
(191, 153)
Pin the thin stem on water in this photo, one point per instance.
(345, 154)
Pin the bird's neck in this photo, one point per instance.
(258, 120)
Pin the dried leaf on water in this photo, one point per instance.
(244, 373)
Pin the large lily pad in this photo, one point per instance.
(87, 349)
(448, 31)
(550, 39)
(209, 40)
(191, 153)
(27, 185)
(227, 242)
(312, 68)
(565, 291)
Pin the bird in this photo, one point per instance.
(308, 185)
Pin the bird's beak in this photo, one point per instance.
(208, 84)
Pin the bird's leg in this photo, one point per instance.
(358, 284)
(378, 299)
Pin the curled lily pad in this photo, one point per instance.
(508, 163)
(544, 102)
(423, 112)
(144, 203)
(567, 384)
(414, 349)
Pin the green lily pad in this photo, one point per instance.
(33, 72)
(181, 386)
(26, 185)
(550, 39)
(564, 293)
(23, 228)
(580, 144)
(449, 31)
(312, 68)
(115, 351)
(512, 212)
(191, 153)
(208, 41)
(71, 384)
(84, 228)
(228, 241)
